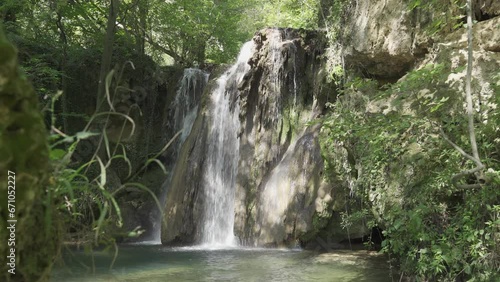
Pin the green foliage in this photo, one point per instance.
(443, 241)
(260, 14)
(446, 15)
(45, 78)
(356, 217)
(430, 102)
(332, 15)
(188, 32)
(197, 29)
(292, 13)
(384, 143)
(86, 196)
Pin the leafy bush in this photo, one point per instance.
(385, 143)
(86, 198)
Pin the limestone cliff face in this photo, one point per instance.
(280, 160)
(382, 52)
(450, 56)
(384, 39)
(279, 168)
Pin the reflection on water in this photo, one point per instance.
(158, 263)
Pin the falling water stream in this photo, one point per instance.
(223, 155)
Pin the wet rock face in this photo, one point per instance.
(278, 171)
(182, 212)
(280, 160)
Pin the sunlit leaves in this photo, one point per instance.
(198, 29)
(287, 13)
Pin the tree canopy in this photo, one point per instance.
(186, 32)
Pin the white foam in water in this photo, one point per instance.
(220, 247)
(146, 243)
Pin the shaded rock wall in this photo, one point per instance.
(139, 88)
(162, 117)
(147, 94)
(280, 161)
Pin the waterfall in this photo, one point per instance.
(222, 155)
(187, 99)
(251, 175)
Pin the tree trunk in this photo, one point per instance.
(143, 18)
(107, 53)
(468, 91)
(470, 117)
(62, 67)
(24, 177)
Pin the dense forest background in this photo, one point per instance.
(422, 167)
(74, 54)
(56, 37)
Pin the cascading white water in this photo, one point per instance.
(186, 102)
(222, 156)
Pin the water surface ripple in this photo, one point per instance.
(151, 263)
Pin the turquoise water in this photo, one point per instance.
(159, 263)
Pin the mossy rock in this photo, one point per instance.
(24, 153)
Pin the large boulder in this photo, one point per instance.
(384, 39)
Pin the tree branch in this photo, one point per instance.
(457, 176)
(460, 150)
(163, 49)
(468, 78)
(470, 116)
